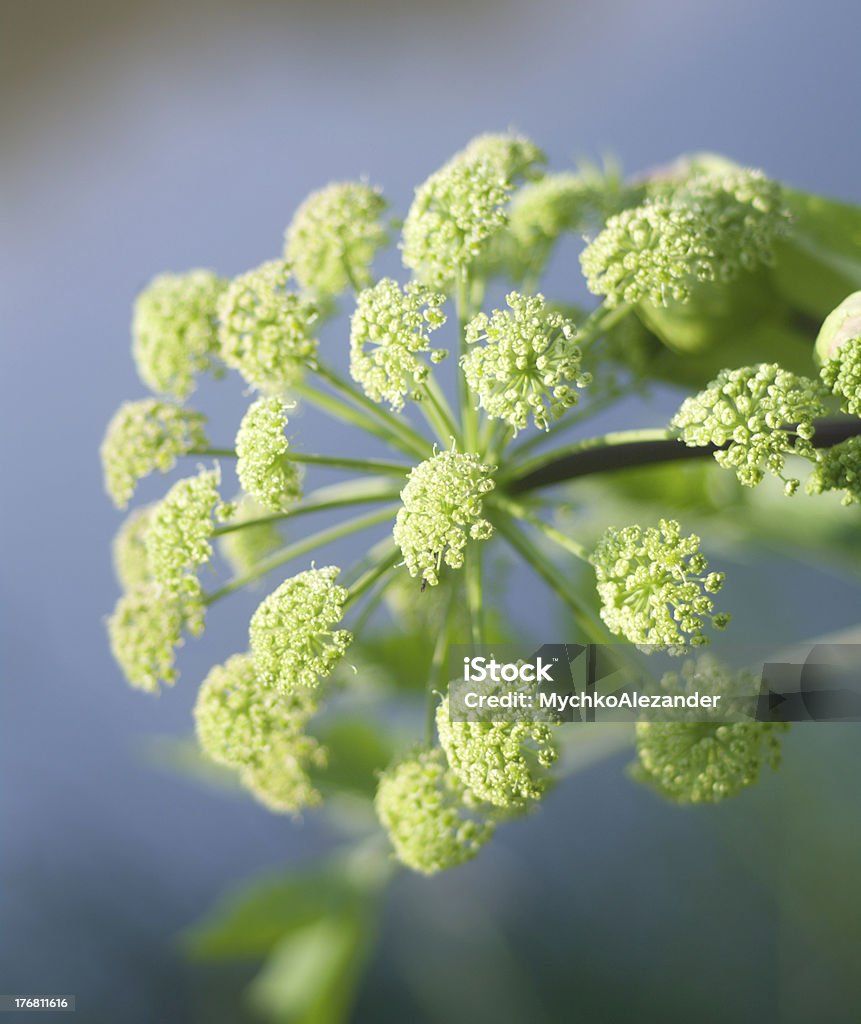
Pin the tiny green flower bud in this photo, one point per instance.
(838, 468)
(263, 465)
(702, 762)
(259, 732)
(145, 628)
(389, 331)
(174, 330)
(131, 565)
(441, 512)
(762, 413)
(292, 640)
(423, 808)
(334, 235)
(498, 762)
(144, 436)
(653, 585)
(180, 531)
(267, 331)
(527, 362)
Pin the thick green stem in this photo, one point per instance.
(385, 562)
(360, 465)
(398, 428)
(215, 453)
(600, 321)
(520, 511)
(437, 681)
(302, 547)
(472, 571)
(468, 412)
(557, 468)
(535, 557)
(605, 441)
(439, 413)
(322, 500)
(568, 420)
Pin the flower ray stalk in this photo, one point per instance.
(302, 547)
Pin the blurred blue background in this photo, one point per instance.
(140, 138)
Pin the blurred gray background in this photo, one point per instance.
(145, 137)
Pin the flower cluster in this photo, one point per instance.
(497, 761)
(422, 806)
(838, 349)
(145, 628)
(266, 331)
(442, 512)
(527, 365)
(461, 206)
(710, 229)
(332, 239)
(247, 544)
(131, 565)
(259, 732)
(263, 466)
(145, 436)
(291, 634)
(704, 762)
(490, 215)
(388, 334)
(174, 330)
(178, 539)
(838, 469)
(761, 413)
(654, 585)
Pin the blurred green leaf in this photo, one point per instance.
(358, 750)
(819, 264)
(312, 976)
(251, 921)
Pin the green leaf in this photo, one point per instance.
(312, 976)
(819, 264)
(358, 750)
(251, 921)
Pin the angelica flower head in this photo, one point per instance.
(174, 330)
(529, 363)
(292, 639)
(761, 413)
(131, 565)
(259, 732)
(838, 350)
(710, 229)
(498, 762)
(423, 808)
(654, 585)
(461, 206)
(244, 548)
(389, 332)
(144, 436)
(513, 155)
(704, 762)
(838, 468)
(145, 628)
(263, 466)
(267, 331)
(442, 512)
(334, 235)
(178, 539)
